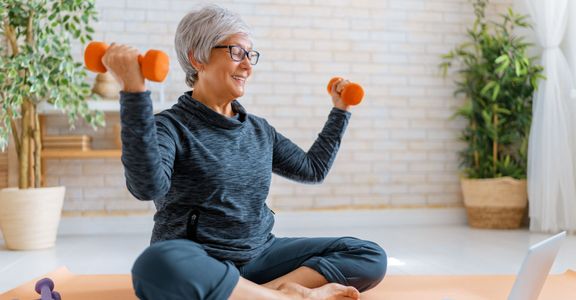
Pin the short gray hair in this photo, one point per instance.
(199, 31)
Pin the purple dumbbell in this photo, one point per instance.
(45, 287)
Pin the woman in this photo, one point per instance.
(207, 164)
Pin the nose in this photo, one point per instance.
(245, 63)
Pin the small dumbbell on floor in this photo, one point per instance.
(45, 287)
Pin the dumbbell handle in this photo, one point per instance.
(46, 293)
(154, 65)
(44, 287)
(352, 94)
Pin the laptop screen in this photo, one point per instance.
(535, 268)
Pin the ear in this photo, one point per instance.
(197, 65)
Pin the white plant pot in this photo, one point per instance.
(29, 218)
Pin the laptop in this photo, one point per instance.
(535, 268)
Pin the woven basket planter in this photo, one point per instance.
(495, 203)
(29, 218)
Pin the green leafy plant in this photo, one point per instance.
(497, 79)
(36, 65)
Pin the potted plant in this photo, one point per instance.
(36, 66)
(497, 79)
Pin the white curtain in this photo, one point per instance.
(569, 44)
(552, 147)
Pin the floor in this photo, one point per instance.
(438, 245)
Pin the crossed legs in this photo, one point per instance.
(292, 268)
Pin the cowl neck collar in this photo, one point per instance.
(198, 109)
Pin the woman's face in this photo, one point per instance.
(224, 76)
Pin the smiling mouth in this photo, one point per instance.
(239, 79)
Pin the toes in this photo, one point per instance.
(352, 292)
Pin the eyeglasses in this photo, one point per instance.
(238, 53)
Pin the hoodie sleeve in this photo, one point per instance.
(292, 162)
(148, 147)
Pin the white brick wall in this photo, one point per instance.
(400, 148)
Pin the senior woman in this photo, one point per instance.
(207, 165)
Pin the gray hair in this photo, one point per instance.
(199, 31)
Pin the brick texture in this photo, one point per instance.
(401, 147)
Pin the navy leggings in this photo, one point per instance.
(181, 269)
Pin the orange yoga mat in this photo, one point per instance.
(78, 287)
(405, 287)
(466, 287)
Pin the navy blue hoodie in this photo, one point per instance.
(209, 175)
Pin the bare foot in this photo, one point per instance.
(330, 291)
(334, 291)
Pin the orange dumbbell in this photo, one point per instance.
(352, 93)
(154, 65)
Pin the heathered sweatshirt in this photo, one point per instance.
(209, 175)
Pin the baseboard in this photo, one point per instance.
(371, 218)
(87, 225)
(79, 225)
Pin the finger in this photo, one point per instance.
(113, 47)
(130, 51)
(119, 52)
(335, 86)
(354, 293)
(342, 84)
(109, 52)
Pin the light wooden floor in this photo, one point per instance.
(421, 242)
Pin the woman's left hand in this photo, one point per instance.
(336, 94)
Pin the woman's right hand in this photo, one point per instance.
(122, 63)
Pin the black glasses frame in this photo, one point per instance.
(250, 54)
